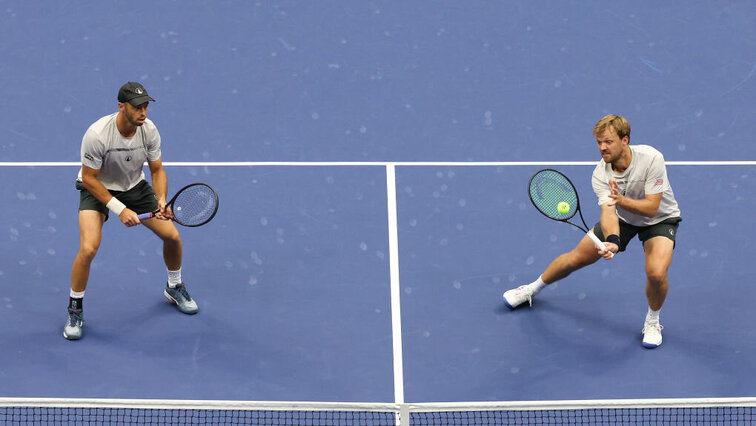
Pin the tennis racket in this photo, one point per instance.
(193, 205)
(547, 189)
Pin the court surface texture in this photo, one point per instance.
(365, 147)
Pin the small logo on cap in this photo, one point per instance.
(138, 91)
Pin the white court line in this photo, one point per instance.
(396, 316)
(374, 163)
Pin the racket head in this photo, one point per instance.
(547, 188)
(194, 205)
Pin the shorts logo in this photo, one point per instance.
(672, 232)
(128, 158)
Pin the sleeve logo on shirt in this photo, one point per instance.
(659, 182)
(89, 157)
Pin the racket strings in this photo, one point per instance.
(549, 188)
(195, 205)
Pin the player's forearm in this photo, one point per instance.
(609, 220)
(160, 184)
(645, 207)
(610, 225)
(96, 188)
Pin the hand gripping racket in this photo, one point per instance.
(193, 205)
(547, 189)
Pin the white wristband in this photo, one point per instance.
(115, 206)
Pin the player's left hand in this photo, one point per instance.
(164, 212)
(615, 194)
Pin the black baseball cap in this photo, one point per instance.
(133, 93)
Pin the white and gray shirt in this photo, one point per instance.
(647, 174)
(120, 160)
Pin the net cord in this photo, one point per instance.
(379, 407)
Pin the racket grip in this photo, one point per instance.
(599, 244)
(145, 216)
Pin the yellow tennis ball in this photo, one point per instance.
(563, 207)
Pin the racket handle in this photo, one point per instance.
(145, 216)
(599, 244)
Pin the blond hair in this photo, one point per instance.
(616, 122)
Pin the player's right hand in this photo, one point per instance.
(129, 218)
(611, 250)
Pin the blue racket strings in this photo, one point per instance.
(195, 205)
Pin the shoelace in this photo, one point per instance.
(530, 296)
(182, 291)
(652, 327)
(74, 318)
(528, 293)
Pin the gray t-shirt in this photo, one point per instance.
(647, 174)
(120, 160)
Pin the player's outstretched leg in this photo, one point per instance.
(582, 255)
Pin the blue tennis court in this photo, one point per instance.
(370, 154)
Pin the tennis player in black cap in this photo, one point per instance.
(111, 179)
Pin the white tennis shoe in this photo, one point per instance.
(652, 337)
(517, 296)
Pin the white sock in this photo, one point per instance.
(652, 316)
(174, 278)
(537, 285)
(77, 294)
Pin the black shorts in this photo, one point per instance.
(141, 199)
(666, 228)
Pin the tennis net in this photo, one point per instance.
(45, 411)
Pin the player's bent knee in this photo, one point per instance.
(88, 252)
(656, 277)
(172, 237)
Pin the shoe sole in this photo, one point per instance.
(167, 296)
